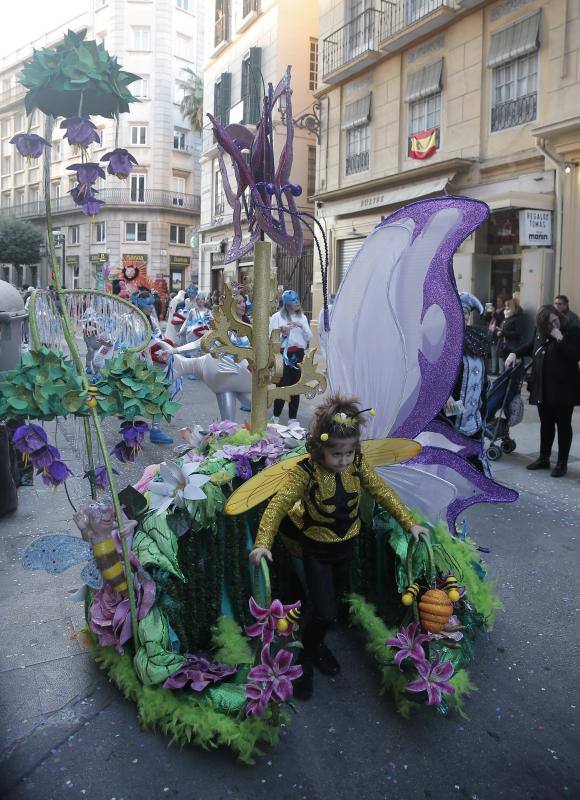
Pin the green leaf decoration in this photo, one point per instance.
(227, 698)
(153, 662)
(155, 545)
(77, 73)
(134, 504)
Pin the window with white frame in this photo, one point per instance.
(358, 142)
(177, 234)
(5, 127)
(183, 4)
(179, 92)
(56, 150)
(218, 198)
(179, 190)
(18, 123)
(179, 139)
(55, 191)
(137, 188)
(34, 122)
(6, 199)
(515, 92)
(141, 39)
(184, 47)
(425, 114)
(19, 161)
(74, 234)
(19, 197)
(135, 231)
(138, 134)
(140, 88)
(100, 232)
(34, 194)
(313, 72)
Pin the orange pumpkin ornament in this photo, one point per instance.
(435, 609)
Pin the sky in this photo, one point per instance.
(24, 21)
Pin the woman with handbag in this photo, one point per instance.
(554, 384)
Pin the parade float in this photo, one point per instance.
(204, 646)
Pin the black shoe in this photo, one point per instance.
(539, 463)
(325, 662)
(559, 470)
(303, 686)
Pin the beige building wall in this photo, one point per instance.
(283, 30)
(532, 165)
(171, 173)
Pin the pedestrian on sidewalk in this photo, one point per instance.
(512, 332)
(295, 336)
(554, 384)
(563, 306)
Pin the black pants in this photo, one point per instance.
(326, 567)
(290, 376)
(552, 417)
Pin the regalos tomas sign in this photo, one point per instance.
(535, 227)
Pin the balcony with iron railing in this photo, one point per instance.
(151, 198)
(357, 162)
(351, 47)
(514, 112)
(10, 96)
(406, 20)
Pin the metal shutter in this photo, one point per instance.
(347, 250)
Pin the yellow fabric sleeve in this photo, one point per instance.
(295, 483)
(385, 496)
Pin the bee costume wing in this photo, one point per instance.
(261, 487)
(383, 452)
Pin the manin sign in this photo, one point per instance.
(535, 227)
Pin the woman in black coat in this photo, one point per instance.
(554, 384)
(512, 332)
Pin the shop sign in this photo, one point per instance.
(535, 227)
(139, 258)
(217, 259)
(179, 261)
(98, 258)
(72, 261)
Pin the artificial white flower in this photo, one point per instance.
(178, 483)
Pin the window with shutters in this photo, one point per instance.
(313, 72)
(222, 98)
(425, 114)
(358, 142)
(311, 176)
(251, 94)
(347, 250)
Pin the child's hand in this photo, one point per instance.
(416, 530)
(258, 553)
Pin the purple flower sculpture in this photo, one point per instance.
(198, 673)
(267, 620)
(258, 699)
(29, 438)
(81, 193)
(271, 196)
(276, 673)
(110, 613)
(434, 679)
(29, 145)
(120, 162)
(88, 172)
(133, 434)
(243, 467)
(55, 474)
(80, 132)
(408, 642)
(124, 453)
(101, 477)
(44, 456)
(224, 428)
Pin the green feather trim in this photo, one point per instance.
(231, 645)
(463, 688)
(189, 718)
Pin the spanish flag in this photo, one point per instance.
(423, 145)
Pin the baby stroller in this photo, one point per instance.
(504, 410)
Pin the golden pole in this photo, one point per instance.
(260, 335)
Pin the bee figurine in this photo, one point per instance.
(410, 595)
(451, 588)
(291, 618)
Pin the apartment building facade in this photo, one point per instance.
(421, 98)
(250, 43)
(150, 220)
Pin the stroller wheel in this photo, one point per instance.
(493, 452)
(508, 445)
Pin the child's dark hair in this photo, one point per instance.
(335, 419)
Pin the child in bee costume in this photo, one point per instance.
(318, 506)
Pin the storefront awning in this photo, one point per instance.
(388, 197)
(424, 82)
(516, 40)
(357, 113)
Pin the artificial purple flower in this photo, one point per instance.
(55, 474)
(277, 673)
(29, 438)
(29, 145)
(224, 428)
(81, 193)
(92, 207)
(101, 477)
(110, 612)
(124, 453)
(120, 162)
(270, 448)
(408, 642)
(258, 698)
(434, 679)
(268, 618)
(88, 172)
(79, 131)
(454, 635)
(243, 467)
(44, 456)
(134, 432)
(198, 672)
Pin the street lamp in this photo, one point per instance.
(309, 120)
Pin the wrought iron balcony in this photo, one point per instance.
(12, 95)
(351, 47)
(112, 197)
(358, 162)
(404, 20)
(514, 112)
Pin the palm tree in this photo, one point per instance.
(192, 104)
